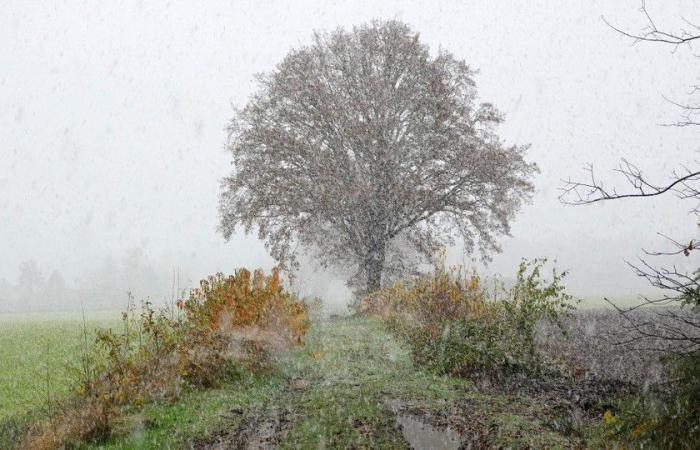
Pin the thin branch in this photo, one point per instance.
(654, 34)
(593, 191)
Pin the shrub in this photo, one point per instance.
(229, 324)
(455, 326)
(227, 303)
(670, 419)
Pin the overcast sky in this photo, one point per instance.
(112, 117)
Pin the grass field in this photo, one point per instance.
(37, 352)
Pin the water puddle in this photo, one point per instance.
(423, 436)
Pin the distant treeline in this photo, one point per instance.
(107, 286)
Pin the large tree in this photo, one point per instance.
(369, 152)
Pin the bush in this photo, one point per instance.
(455, 326)
(229, 324)
(670, 419)
(227, 303)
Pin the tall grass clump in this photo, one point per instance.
(227, 326)
(456, 326)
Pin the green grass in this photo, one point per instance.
(352, 367)
(36, 354)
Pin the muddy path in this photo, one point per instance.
(354, 386)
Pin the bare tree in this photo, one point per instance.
(367, 151)
(30, 280)
(677, 286)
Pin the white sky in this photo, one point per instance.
(112, 117)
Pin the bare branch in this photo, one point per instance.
(654, 34)
(593, 191)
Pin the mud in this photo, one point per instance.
(260, 430)
(450, 428)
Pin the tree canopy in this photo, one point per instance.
(369, 153)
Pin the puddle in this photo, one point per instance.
(422, 436)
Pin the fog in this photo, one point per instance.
(112, 121)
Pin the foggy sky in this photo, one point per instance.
(112, 117)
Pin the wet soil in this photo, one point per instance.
(264, 429)
(454, 427)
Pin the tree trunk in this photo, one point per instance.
(374, 268)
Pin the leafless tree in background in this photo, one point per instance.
(370, 153)
(678, 287)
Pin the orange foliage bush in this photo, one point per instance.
(238, 301)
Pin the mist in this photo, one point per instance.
(112, 136)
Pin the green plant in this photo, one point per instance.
(531, 300)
